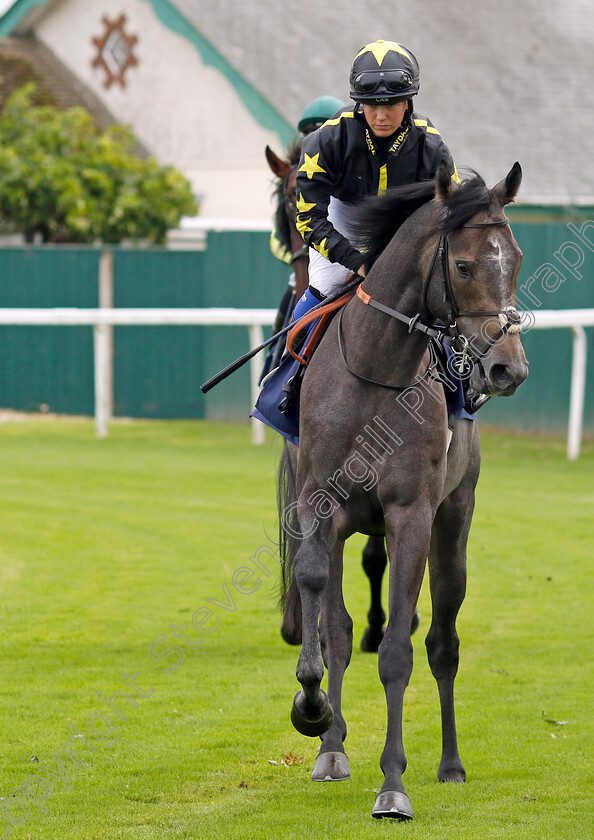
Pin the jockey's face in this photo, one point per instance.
(383, 120)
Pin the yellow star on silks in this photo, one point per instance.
(321, 248)
(311, 166)
(304, 206)
(381, 48)
(302, 226)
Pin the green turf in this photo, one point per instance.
(106, 544)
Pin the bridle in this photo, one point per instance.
(509, 319)
(465, 355)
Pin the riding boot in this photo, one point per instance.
(291, 390)
(310, 298)
(307, 301)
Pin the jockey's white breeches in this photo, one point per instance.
(327, 277)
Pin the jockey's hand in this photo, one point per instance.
(349, 279)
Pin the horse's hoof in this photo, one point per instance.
(392, 804)
(416, 620)
(311, 722)
(331, 767)
(455, 774)
(371, 639)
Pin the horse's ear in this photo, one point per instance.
(278, 166)
(507, 189)
(443, 182)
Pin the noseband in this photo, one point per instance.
(465, 355)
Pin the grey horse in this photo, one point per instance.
(377, 456)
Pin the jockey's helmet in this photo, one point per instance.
(317, 112)
(384, 72)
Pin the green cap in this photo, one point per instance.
(317, 112)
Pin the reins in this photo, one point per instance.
(399, 317)
(300, 253)
(322, 315)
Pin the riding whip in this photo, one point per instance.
(227, 371)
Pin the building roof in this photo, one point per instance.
(502, 81)
(25, 60)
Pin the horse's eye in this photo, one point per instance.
(464, 268)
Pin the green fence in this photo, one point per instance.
(158, 370)
(541, 403)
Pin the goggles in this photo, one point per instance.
(395, 81)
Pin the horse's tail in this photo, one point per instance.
(290, 601)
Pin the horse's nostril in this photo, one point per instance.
(500, 376)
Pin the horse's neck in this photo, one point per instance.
(397, 281)
(398, 277)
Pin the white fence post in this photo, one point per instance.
(256, 338)
(106, 302)
(103, 378)
(578, 390)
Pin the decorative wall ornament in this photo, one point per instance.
(115, 51)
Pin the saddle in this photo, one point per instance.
(320, 320)
(278, 403)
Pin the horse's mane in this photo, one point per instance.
(282, 221)
(379, 217)
(471, 197)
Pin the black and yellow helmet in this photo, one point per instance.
(384, 71)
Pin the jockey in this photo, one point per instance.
(317, 112)
(379, 143)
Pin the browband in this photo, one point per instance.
(497, 223)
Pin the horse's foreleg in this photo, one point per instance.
(408, 531)
(447, 571)
(311, 714)
(336, 637)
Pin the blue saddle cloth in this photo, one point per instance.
(287, 423)
(271, 396)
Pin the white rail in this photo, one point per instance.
(102, 320)
(575, 320)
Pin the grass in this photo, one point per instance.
(107, 544)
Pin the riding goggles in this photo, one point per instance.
(395, 81)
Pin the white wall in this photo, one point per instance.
(184, 112)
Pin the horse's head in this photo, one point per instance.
(285, 192)
(286, 173)
(474, 293)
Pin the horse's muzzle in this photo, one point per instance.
(497, 375)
